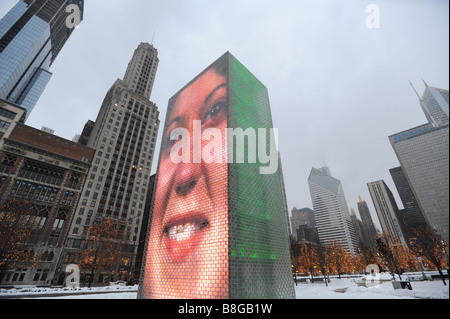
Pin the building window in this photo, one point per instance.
(8, 114)
(68, 198)
(5, 125)
(34, 191)
(40, 172)
(57, 228)
(74, 181)
(7, 164)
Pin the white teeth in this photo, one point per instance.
(185, 231)
(182, 232)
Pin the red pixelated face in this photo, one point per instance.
(187, 255)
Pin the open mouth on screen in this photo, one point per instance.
(182, 233)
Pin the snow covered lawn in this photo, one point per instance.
(345, 288)
(110, 292)
(354, 288)
(121, 295)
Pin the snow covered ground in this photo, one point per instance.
(122, 296)
(110, 292)
(345, 288)
(355, 288)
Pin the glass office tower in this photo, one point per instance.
(423, 154)
(32, 34)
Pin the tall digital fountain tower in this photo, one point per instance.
(218, 228)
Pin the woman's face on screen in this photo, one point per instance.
(187, 253)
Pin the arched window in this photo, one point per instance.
(57, 227)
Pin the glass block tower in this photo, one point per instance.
(32, 34)
(259, 256)
(218, 227)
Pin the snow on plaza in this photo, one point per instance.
(353, 287)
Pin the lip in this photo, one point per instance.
(182, 234)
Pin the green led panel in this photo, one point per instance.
(259, 261)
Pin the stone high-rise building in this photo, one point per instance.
(47, 172)
(124, 137)
(367, 222)
(387, 209)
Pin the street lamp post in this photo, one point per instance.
(133, 256)
(420, 260)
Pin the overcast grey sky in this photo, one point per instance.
(337, 88)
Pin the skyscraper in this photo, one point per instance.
(307, 233)
(124, 137)
(32, 34)
(331, 210)
(302, 216)
(412, 217)
(141, 71)
(387, 209)
(366, 219)
(423, 153)
(357, 224)
(299, 217)
(434, 103)
(283, 189)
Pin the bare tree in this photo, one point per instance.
(395, 255)
(307, 259)
(367, 255)
(17, 223)
(338, 258)
(321, 252)
(427, 244)
(100, 252)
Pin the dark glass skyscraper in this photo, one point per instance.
(366, 219)
(412, 215)
(32, 34)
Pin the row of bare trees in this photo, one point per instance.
(17, 223)
(390, 255)
(101, 251)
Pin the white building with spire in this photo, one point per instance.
(331, 211)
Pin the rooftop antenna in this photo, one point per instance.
(325, 169)
(153, 38)
(420, 99)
